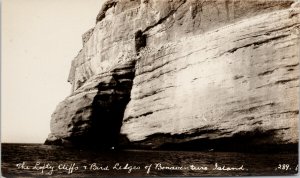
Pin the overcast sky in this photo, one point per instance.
(39, 40)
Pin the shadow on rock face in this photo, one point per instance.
(239, 142)
(108, 109)
(93, 115)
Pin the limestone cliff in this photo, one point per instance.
(185, 73)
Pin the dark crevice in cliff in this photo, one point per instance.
(268, 72)
(146, 114)
(240, 142)
(292, 65)
(140, 41)
(153, 92)
(279, 82)
(285, 28)
(255, 44)
(108, 116)
(285, 81)
(254, 108)
(107, 110)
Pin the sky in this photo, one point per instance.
(39, 40)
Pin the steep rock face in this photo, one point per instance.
(208, 72)
(113, 38)
(191, 90)
(95, 111)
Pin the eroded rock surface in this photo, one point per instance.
(193, 90)
(95, 110)
(113, 38)
(185, 73)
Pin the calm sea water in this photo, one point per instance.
(35, 160)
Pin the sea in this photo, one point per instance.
(38, 160)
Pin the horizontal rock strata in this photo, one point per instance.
(185, 73)
(95, 111)
(113, 38)
(239, 79)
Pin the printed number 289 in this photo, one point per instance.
(283, 167)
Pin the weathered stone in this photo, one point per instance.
(95, 111)
(87, 35)
(185, 73)
(53, 140)
(199, 88)
(160, 21)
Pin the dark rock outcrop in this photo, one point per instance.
(95, 111)
(53, 140)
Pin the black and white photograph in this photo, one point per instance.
(149, 88)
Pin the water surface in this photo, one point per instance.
(32, 159)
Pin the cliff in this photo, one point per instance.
(185, 73)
